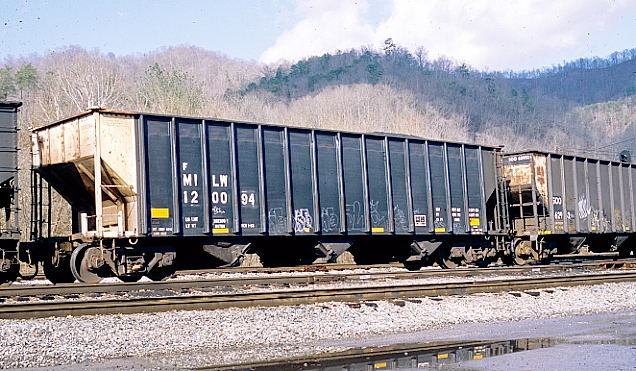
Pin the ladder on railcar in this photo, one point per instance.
(40, 226)
(502, 197)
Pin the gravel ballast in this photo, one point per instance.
(235, 335)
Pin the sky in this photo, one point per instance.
(485, 34)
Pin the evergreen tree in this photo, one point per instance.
(7, 82)
(26, 78)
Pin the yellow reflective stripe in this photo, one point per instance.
(221, 230)
(377, 230)
(159, 213)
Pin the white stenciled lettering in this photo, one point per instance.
(219, 197)
(187, 180)
(219, 181)
(248, 198)
(191, 197)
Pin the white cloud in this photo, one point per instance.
(325, 26)
(494, 34)
(500, 34)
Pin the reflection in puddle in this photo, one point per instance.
(420, 355)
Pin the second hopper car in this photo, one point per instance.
(146, 190)
(559, 204)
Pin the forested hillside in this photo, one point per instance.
(583, 105)
(559, 106)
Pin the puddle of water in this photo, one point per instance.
(426, 355)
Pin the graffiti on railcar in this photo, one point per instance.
(303, 221)
(399, 217)
(377, 218)
(276, 218)
(585, 209)
(329, 219)
(355, 216)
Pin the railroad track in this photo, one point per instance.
(298, 296)
(262, 270)
(559, 259)
(609, 258)
(301, 279)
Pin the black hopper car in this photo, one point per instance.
(151, 192)
(9, 230)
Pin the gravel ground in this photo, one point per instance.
(199, 338)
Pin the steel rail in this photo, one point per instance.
(599, 258)
(306, 279)
(297, 297)
(559, 259)
(298, 268)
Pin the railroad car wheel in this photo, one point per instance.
(57, 268)
(28, 271)
(446, 259)
(451, 256)
(449, 263)
(10, 275)
(81, 264)
(524, 253)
